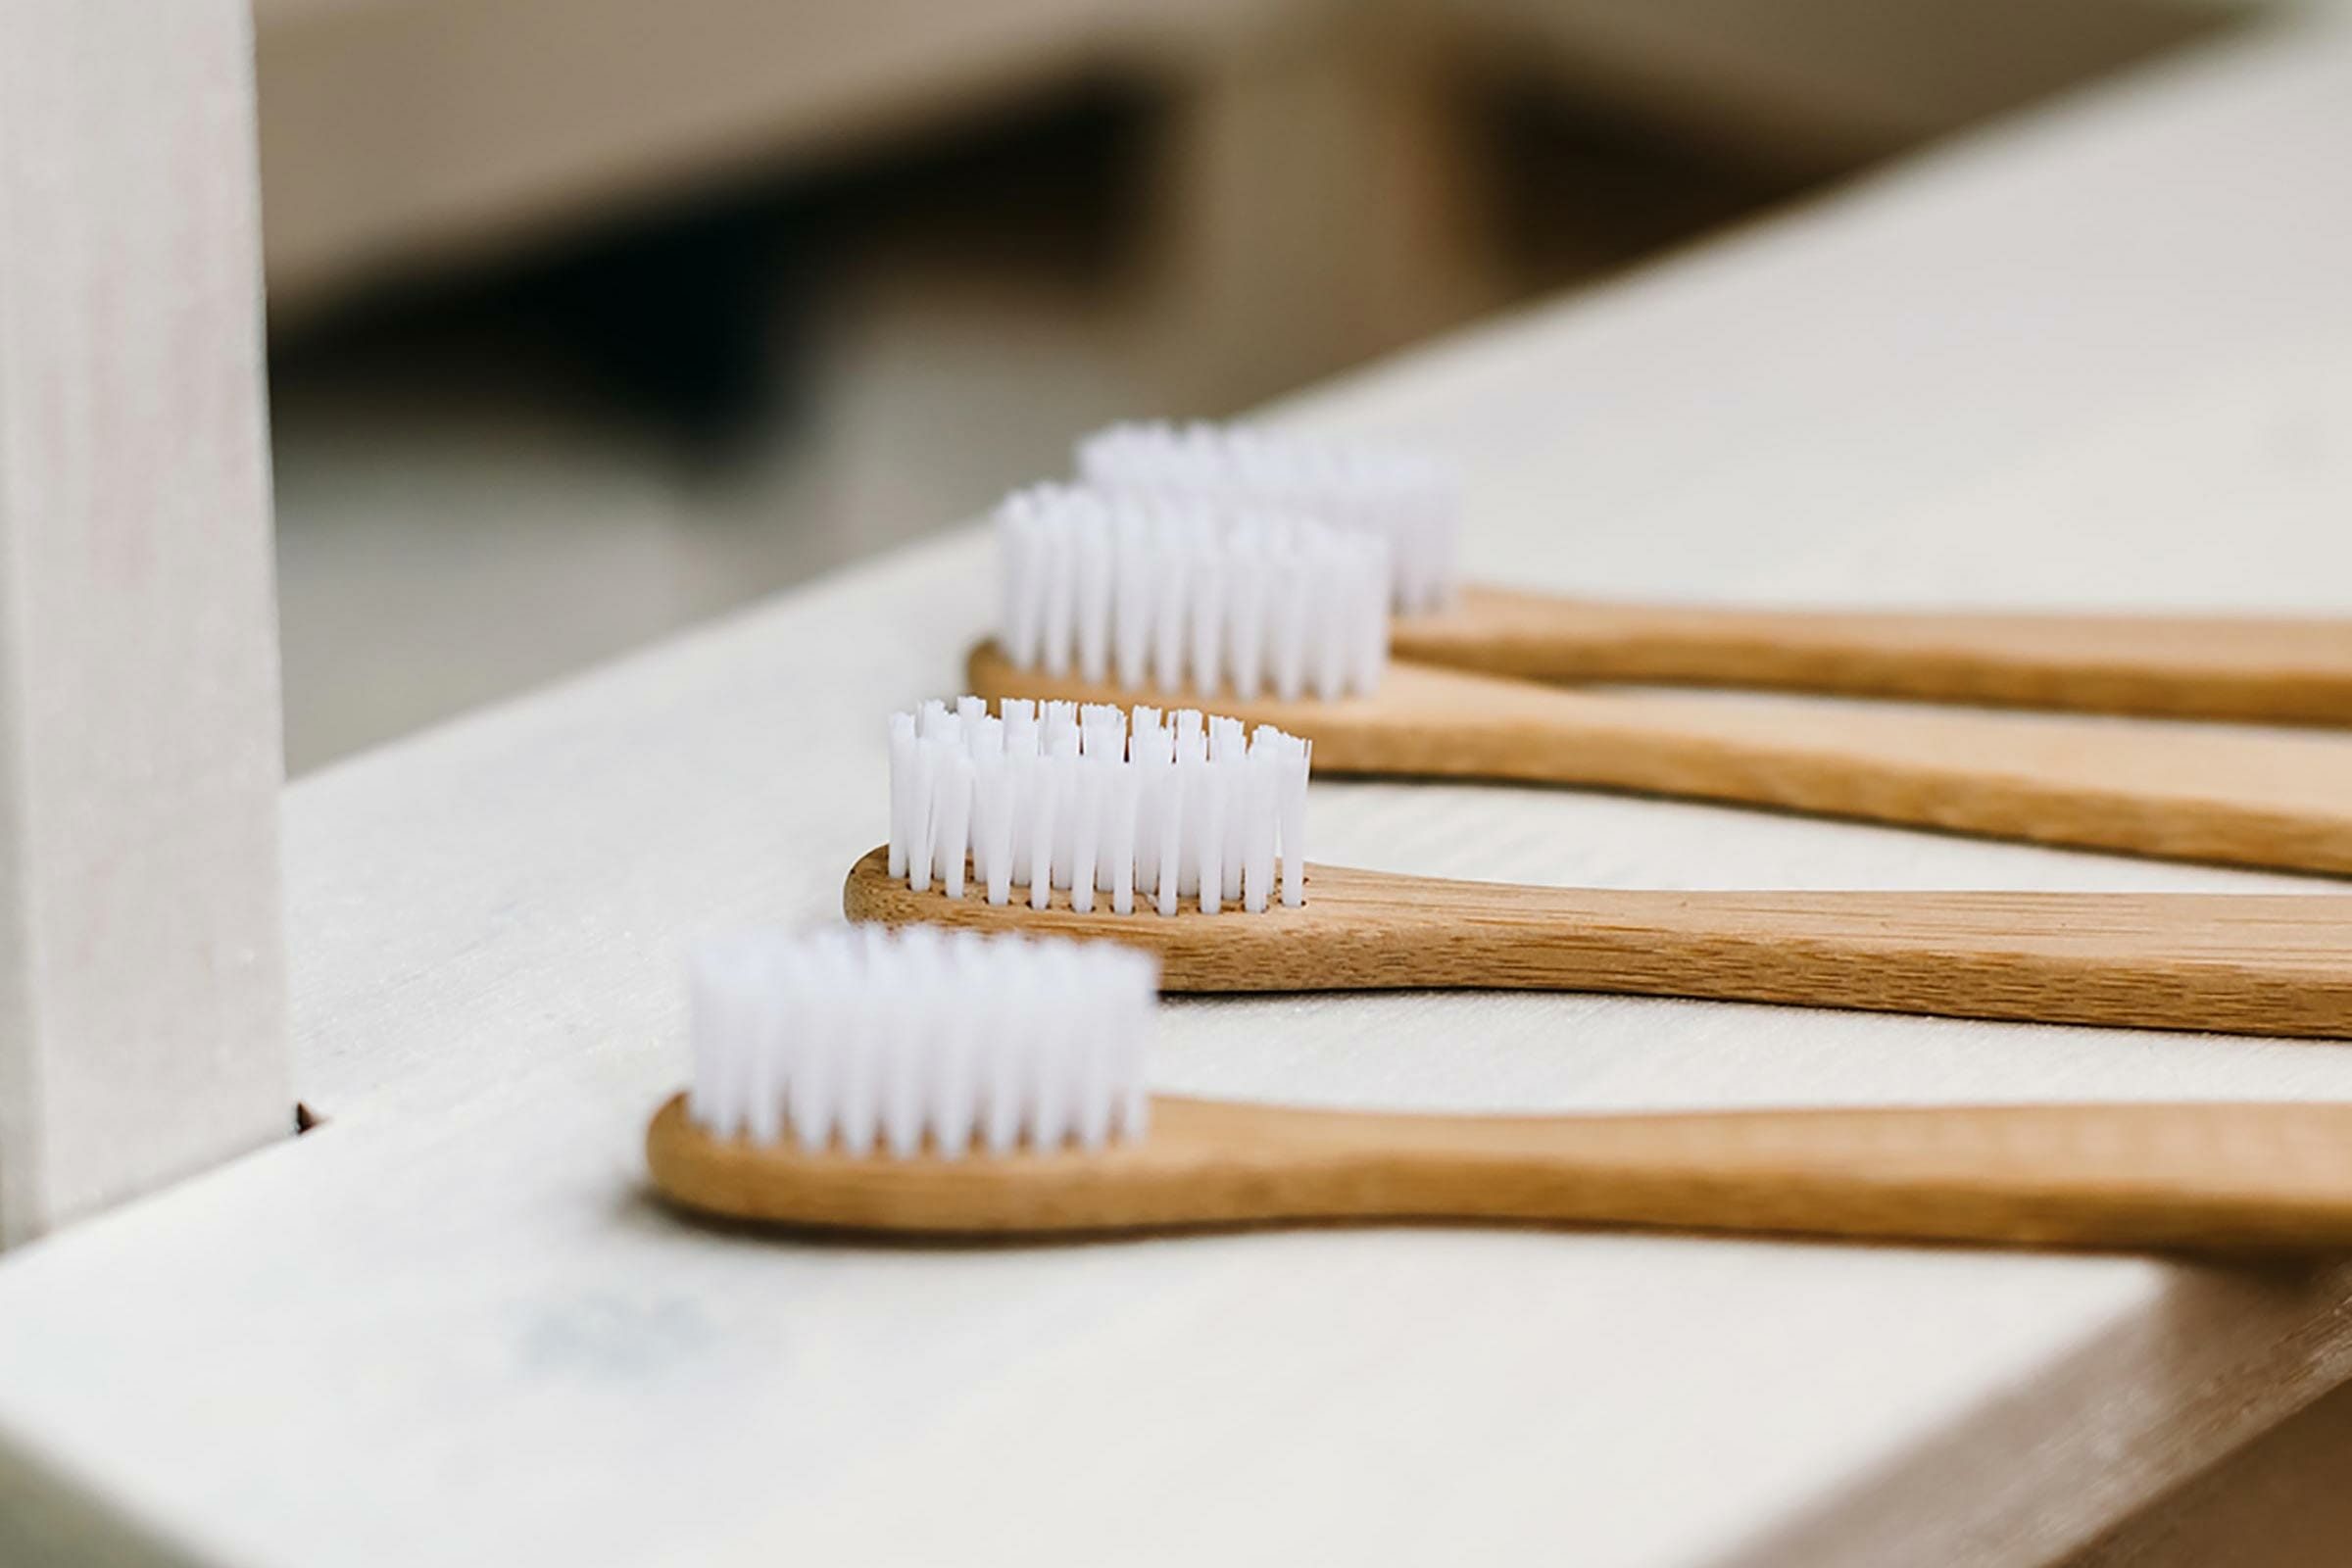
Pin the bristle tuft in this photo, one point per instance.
(1166, 593)
(1406, 500)
(1148, 810)
(901, 1044)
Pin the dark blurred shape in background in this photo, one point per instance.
(593, 317)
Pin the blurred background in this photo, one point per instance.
(591, 318)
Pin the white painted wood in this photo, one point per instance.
(142, 1012)
(2106, 356)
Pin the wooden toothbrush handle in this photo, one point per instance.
(2270, 1177)
(2213, 666)
(2265, 965)
(2234, 963)
(2194, 1176)
(2172, 789)
(2178, 790)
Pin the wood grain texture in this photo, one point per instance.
(2237, 963)
(143, 990)
(2179, 792)
(2234, 1177)
(2274, 668)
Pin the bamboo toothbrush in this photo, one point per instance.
(2211, 666)
(1283, 620)
(960, 1087)
(1186, 818)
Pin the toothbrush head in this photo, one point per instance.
(957, 1088)
(1406, 499)
(1167, 809)
(1176, 592)
(902, 1044)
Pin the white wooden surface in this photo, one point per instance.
(2104, 356)
(142, 992)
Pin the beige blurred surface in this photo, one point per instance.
(463, 513)
(463, 517)
(399, 133)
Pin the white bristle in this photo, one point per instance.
(1169, 592)
(1406, 500)
(1151, 810)
(892, 1044)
